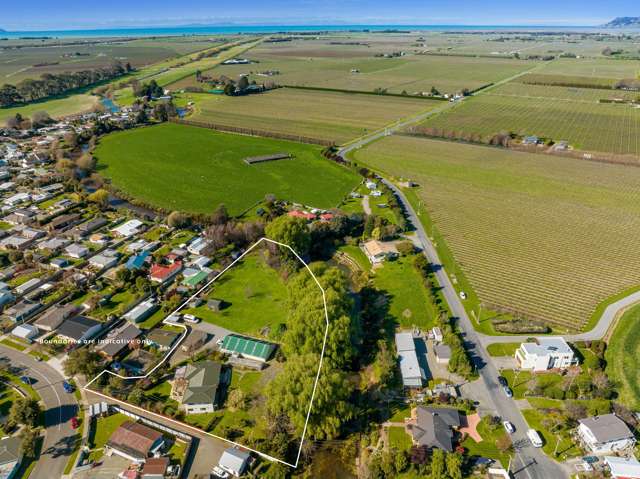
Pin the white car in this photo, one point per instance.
(190, 318)
(463, 295)
(509, 427)
(219, 472)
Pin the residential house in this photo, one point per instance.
(141, 311)
(25, 331)
(605, 434)
(378, 251)
(442, 353)
(105, 260)
(53, 244)
(55, 315)
(234, 461)
(129, 228)
(10, 456)
(248, 348)
(63, 222)
(28, 286)
(6, 297)
(134, 441)
(22, 311)
(623, 467)
(155, 468)
(79, 328)
(545, 354)
(194, 341)
(21, 216)
(85, 229)
(138, 361)
(198, 246)
(118, 340)
(161, 273)
(434, 427)
(196, 387)
(301, 214)
(76, 251)
(195, 280)
(413, 376)
(162, 339)
(137, 261)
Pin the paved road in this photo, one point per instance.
(608, 317)
(59, 406)
(530, 463)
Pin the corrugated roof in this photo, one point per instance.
(247, 346)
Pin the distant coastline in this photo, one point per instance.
(248, 29)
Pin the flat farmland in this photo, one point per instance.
(607, 128)
(17, 64)
(56, 108)
(592, 67)
(192, 169)
(338, 117)
(331, 66)
(562, 93)
(550, 238)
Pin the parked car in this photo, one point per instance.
(509, 427)
(68, 388)
(503, 381)
(26, 380)
(463, 295)
(75, 423)
(534, 437)
(219, 472)
(508, 392)
(190, 318)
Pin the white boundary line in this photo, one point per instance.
(315, 385)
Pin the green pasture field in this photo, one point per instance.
(56, 108)
(547, 79)
(58, 56)
(409, 302)
(330, 116)
(590, 126)
(623, 352)
(320, 64)
(532, 233)
(254, 296)
(592, 67)
(178, 167)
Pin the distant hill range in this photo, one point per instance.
(623, 22)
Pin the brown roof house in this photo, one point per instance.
(134, 441)
(434, 427)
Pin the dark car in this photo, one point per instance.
(26, 380)
(503, 381)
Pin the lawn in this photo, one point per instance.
(502, 349)
(356, 254)
(622, 356)
(101, 431)
(487, 447)
(557, 444)
(13, 344)
(212, 171)
(398, 438)
(529, 264)
(332, 116)
(409, 302)
(254, 296)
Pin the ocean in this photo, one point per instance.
(247, 29)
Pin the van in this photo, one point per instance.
(534, 437)
(190, 318)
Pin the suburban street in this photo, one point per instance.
(59, 408)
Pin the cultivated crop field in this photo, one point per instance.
(192, 169)
(16, 64)
(323, 64)
(330, 116)
(58, 107)
(623, 354)
(609, 128)
(548, 237)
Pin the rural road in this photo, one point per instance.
(59, 407)
(530, 462)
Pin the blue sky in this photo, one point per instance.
(74, 14)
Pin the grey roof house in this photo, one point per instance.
(434, 427)
(196, 386)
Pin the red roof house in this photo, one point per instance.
(301, 214)
(161, 273)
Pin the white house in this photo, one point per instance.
(378, 251)
(413, 376)
(605, 434)
(197, 246)
(25, 331)
(623, 467)
(129, 228)
(234, 461)
(544, 354)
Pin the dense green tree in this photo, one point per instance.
(82, 361)
(437, 465)
(290, 394)
(290, 231)
(29, 443)
(24, 411)
(454, 466)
